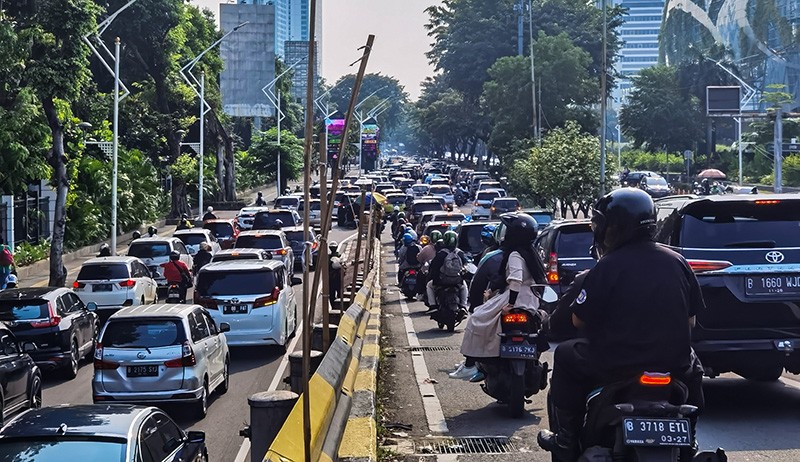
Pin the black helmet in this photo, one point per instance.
(278, 224)
(516, 230)
(174, 255)
(136, 235)
(622, 216)
(151, 230)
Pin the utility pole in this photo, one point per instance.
(202, 138)
(520, 22)
(603, 102)
(533, 70)
(115, 151)
(778, 175)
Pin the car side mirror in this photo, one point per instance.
(549, 295)
(224, 327)
(28, 347)
(91, 306)
(195, 437)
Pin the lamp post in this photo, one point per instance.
(199, 88)
(619, 146)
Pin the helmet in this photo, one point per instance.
(11, 281)
(151, 230)
(622, 216)
(136, 235)
(184, 216)
(436, 236)
(210, 209)
(424, 240)
(333, 245)
(450, 239)
(408, 239)
(412, 232)
(401, 215)
(395, 209)
(278, 224)
(487, 234)
(518, 230)
(174, 255)
(401, 221)
(260, 193)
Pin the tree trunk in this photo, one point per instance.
(179, 203)
(220, 170)
(58, 161)
(230, 171)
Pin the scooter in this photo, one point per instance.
(516, 373)
(409, 285)
(174, 293)
(449, 314)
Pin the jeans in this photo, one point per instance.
(5, 271)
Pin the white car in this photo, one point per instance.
(446, 193)
(482, 207)
(291, 202)
(192, 238)
(247, 215)
(154, 251)
(114, 282)
(255, 297)
(273, 240)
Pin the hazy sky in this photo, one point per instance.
(400, 38)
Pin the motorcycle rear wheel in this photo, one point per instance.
(516, 397)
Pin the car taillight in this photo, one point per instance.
(187, 357)
(52, 321)
(412, 272)
(269, 300)
(99, 363)
(768, 202)
(206, 302)
(552, 269)
(314, 245)
(78, 285)
(128, 283)
(702, 266)
(655, 379)
(279, 252)
(515, 318)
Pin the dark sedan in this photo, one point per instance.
(20, 378)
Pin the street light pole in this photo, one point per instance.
(603, 88)
(115, 151)
(275, 99)
(619, 147)
(279, 143)
(202, 139)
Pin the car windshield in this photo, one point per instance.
(427, 207)
(287, 202)
(420, 188)
(574, 242)
(750, 224)
(52, 450)
(192, 239)
(654, 181)
(103, 271)
(469, 239)
(542, 219)
(149, 249)
(315, 205)
(268, 220)
(142, 333)
(268, 242)
(219, 230)
(213, 283)
(487, 195)
(440, 190)
(23, 310)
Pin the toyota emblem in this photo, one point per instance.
(141, 355)
(235, 301)
(774, 256)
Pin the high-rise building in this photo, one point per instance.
(639, 34)
(291, 21)
(296, 51)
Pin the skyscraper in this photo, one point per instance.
(639, 34)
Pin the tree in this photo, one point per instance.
(504, 98)
(262, 157)
(659, 116)
(386, 87)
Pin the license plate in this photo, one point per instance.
(517, 350)
(785, 284)
(101, 288)
(142, 371)
(234, 309)
(657, 432)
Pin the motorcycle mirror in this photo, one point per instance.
(549, 295)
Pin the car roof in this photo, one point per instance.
(564, 223)
(286, 229)
(687, 201)
(242, 265)
(102, 260)
(181, 232)
(506, 198)
(154, 239)
(230, 221)
(158, 310)
(113, 420)
(239, 251)
(30, 292)
(291, 196)
(262, 232)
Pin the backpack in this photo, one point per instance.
(450, 274)
(6, 258)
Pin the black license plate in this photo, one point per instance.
(657, 432)
(142, 371)
(234, 309)
(101, 288)
(517, 350)
(783, 284)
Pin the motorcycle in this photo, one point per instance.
(517, 374)
(409, 285)
(449, 314)
(174, 293)
(461, 197)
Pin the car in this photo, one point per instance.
(273, 240)
(381, 187)
(296, 240)
(445, 192)
(241, 254)
(290, 202)
(655, 186)
(20, 377)
(314, 214)
(406, 183)
(268, 219)
(193, 237)
(154, 251)
(489, 184)
(440, 181)
(633, 179)
(469, 237)
(114, 282)
(163, 353)
(255, 297)
(543, 217)
(744, 250)
(501, 205)
(351, 189)
(482, 207)
(564, 250)
(397, 200)
(453, 218)
(99, 433)
(246, 216)
(55, 321)
(475, 181)
(420, 190)
(422, 205)
(441, 226)
(224, 231)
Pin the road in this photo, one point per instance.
(252, 370)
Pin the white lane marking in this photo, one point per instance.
(430, 402)
(790, 382)
(447, 458)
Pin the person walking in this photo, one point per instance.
(6, 262)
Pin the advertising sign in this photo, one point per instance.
(369, 140)
(335, 130)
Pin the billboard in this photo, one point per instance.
(369, 140)
(334, 129)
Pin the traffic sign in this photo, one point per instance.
(786, 147)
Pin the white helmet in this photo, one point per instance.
(210, 208)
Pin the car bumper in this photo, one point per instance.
(48, 361)
(170, 396)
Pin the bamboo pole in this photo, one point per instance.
(358, 247)
(324, 269)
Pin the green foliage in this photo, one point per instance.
(386, 87)
(504, 98)
(791, 170)
(26, 253)
(653, 161)
(258, 165)
(23, 142)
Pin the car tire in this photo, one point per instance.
(226, 378)
(201, 406)
(765, 374)
(35, 394)
(71, 369)
(143, 302)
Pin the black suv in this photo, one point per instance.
(745, 251)
(20, 379)
(55, 321)
(564, 249)
(469, 237)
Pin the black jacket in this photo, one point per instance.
(201, 258)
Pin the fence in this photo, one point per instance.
(31, 218)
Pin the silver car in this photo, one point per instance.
(162, 353)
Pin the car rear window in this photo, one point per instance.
(192, 239)
(427, 207)
(506, 203)
(449, 217)
(420, 188)
(756, 224)
(487, 195)
(294, 236)
(149, 249)
(103, 271)
(219, 229)
(574, 242)
(469, 239)
(287, 202)
(440, 190)
(212, 283)
(228, 257)
(315, 205)
(267, 220)
(542, 219)
(142, 333)
(23, 310)
(268, 242)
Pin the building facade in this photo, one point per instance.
(640, 42)
(297, 52)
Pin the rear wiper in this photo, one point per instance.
(752, 244)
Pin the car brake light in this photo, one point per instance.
(515, 318)
(702, 266)
(279, 251)
(269, 300)
(99, 363)
(78, 285)
(655, 379)
(768, 202)
(52, 321)
(187, 357)
(552, 269)
(476, 203)
(412, 272)
(128, 283)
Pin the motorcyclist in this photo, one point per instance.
(277, 224)
(437, 277)
(488, 278)
(105, 250)
(12, 281)
(184, 222)
(636, 308)
(398, 234)
(209, 215)
(176, 272)
(487, 238)
(396, 222)
(152, 231)
(425, 256)
(260, 202)
(202, 257)
(407, 256)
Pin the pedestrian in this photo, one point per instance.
(6, 262)
(260, 202)
(335, 267)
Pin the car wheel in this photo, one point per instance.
(201, 406)
(142, 300)
(155, 297)
(35, 396)
(71, 369)
(765, 374)
(226, 378)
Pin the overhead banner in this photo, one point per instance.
(335, 129)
